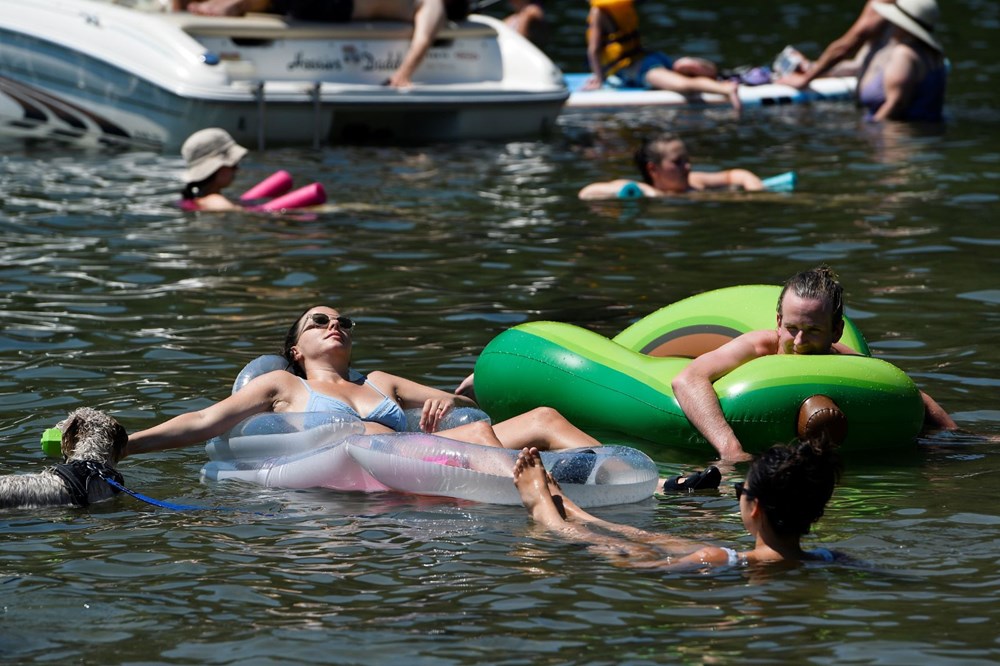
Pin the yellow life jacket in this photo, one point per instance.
(622, 47)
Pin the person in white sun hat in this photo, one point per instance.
(906, 78)
(847, 55)
(212, 158)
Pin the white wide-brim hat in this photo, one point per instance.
(208, 150)
(917, 17)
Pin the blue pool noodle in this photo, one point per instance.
(783, 182)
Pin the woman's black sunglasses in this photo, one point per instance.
(741, 490)
(321, 320)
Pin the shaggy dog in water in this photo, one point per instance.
(92, 442)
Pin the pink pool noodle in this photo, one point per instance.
(275, 185)
(310, 195)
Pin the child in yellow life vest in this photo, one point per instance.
(616, 56)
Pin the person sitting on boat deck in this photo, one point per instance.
(212, 158)
(906, 78)
(786, 490)
(427, 17)
(867, 34)
(318, 349)
(810, 320)
(528, 20)
(665, 166)
(617, 57)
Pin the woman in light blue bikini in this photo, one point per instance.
(318, 349)
(785, 492)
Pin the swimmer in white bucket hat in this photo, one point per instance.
(212, 158)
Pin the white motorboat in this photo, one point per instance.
(100, 73)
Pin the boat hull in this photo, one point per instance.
(99, 74)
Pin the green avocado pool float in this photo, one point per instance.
(623, 384)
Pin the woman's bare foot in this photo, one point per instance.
(567, 507)
(531, 482)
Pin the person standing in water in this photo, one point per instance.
(867, 34)
(906, 78)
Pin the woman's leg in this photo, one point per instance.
(428, 19)
(667, 79)
(479, 432)
(532, 482)
(572, 512)
(689, 66)
(543, 428)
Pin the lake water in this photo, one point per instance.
(113, 298)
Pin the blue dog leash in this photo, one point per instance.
(155, 502)
(169, 505)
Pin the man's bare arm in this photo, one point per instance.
(935, 418)
(696, 395)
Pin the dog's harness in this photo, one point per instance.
(78, 475)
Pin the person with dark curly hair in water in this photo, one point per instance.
(785, 492)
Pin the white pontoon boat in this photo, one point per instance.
(103, 74)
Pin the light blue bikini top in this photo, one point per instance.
(388, 412)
